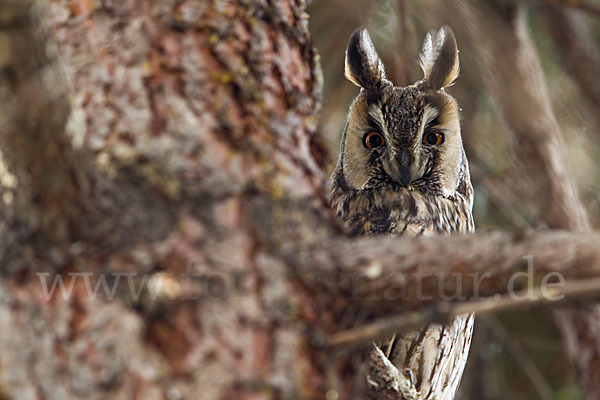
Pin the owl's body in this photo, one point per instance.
(402, 171)
(399, 211)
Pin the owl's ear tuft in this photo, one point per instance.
(363, 65)
(439, 58)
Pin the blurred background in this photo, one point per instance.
(529, 90)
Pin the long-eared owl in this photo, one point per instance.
(402, 170)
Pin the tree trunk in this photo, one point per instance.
(141, 134)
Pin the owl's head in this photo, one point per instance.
(403, 136)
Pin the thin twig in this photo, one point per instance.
(571, 291)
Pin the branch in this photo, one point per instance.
(516, 82)
(592, 9)
(381, 276)
(441, 312)
(576, 45)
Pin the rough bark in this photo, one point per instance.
(170, 116)
(415, 270)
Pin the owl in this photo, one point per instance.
(402, 171)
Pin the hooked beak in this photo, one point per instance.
(399, 168)
(405, 168)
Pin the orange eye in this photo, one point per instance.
(434, 138)
(372, 140)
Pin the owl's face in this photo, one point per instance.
(403, 136)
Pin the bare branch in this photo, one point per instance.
(589, 8)
(516, 82)
(577, 48)
(378, 277)
(523, 299)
